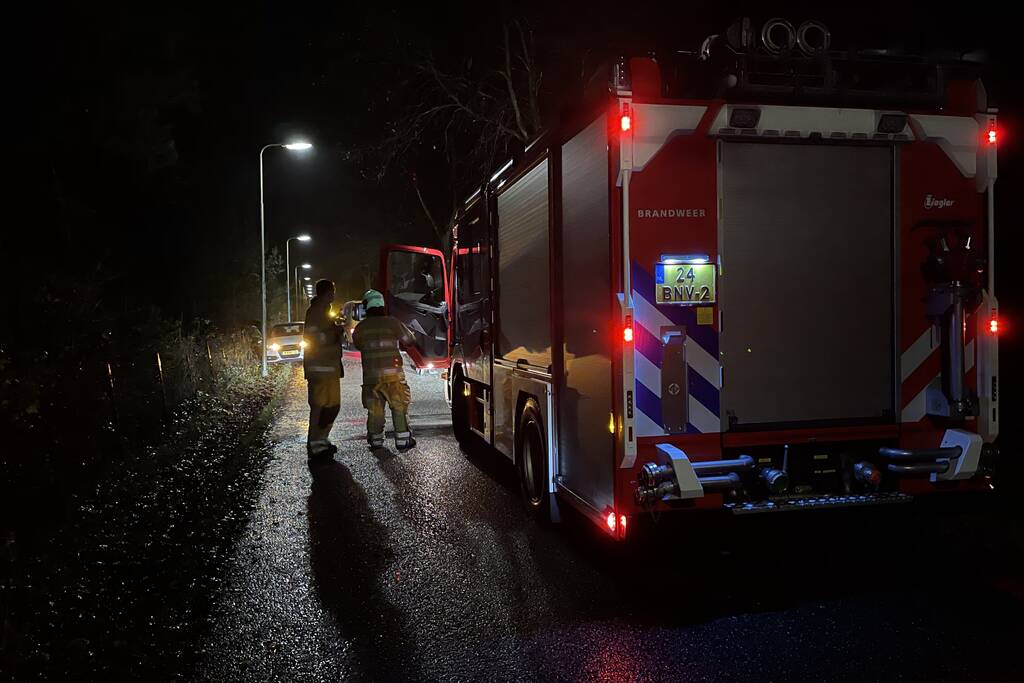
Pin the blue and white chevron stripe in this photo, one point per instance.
(701, 357)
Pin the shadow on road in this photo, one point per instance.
(350, 551)
(954, 565)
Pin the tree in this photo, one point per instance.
(277, 307)
(465, 118)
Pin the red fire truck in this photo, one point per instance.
(753, 278)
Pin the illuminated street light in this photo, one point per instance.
(288, 269)
(304, 266)
(294, 146)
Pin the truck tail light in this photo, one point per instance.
(627, 330)
(993, 325)
(611, 522)
(993, 135)
(622, 525)
(626, 120)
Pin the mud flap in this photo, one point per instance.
(553, 512)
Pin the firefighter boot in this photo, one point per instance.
(320, 452)
(403, 435)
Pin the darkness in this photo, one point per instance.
(133, 167)
(138, 132)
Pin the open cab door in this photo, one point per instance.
(415, 286)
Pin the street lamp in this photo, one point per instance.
(295, 147)
(288, 270)
(304, 266)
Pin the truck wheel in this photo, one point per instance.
(460, 412)
(532, 460)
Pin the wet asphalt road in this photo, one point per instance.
(422, 566)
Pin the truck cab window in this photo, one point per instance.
(416, 278)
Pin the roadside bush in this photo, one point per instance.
(98, 417)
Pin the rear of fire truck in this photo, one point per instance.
(807, 303)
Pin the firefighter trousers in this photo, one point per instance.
(396, 394)
(324, 405)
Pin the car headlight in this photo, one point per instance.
(275, 347)
(302, 344)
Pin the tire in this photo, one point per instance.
(460, 412)
(532, 461)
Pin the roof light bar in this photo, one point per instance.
(743, 117)
(892, 124)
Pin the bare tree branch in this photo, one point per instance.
(513, 98)
(441, 232)
(533, 76)
(466, 119)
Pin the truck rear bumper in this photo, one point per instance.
(831, 501)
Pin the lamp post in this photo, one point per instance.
(288, 270)
(295, 147)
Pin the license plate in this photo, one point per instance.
(684, 283)
(289, 353)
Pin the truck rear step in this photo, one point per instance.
(816, 502)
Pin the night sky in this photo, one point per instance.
(138, 128)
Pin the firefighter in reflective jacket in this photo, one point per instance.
(379, 338)
(321, 364)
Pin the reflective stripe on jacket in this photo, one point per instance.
(322, 355)
(379, 339)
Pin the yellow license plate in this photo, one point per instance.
(684, 283)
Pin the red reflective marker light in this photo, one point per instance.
(611, 522)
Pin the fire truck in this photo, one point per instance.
(755, 277)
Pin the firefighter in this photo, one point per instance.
(379, 338)
(322, 367)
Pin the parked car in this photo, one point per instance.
(285, 343)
